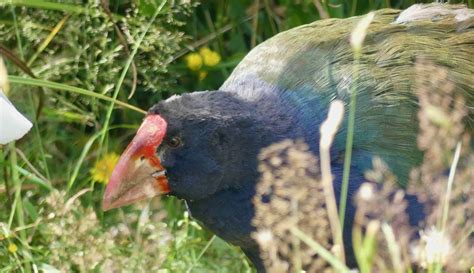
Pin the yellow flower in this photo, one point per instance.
(194, 61)
(202, 75)
(211, 58)
(104, 167)
(12, 248)
(205, 51)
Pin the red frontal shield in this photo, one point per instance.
(139, 174)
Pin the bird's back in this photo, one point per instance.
(313, 64)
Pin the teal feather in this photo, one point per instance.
(316, 60)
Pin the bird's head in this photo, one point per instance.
(190, 146)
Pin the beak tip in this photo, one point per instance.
(106, 205)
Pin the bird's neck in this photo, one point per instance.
(275, 117)
(227, 213)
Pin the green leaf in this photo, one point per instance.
(73, 89)
(47, 5)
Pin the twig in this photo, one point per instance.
(253, 41)
(16, 60)
(322, 13)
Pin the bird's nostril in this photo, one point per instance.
(159, 173)
(142, 158)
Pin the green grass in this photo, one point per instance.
(79, 103)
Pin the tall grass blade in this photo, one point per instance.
(48, 39)
(35, 179)
(328, 130)
(357, 39)
(85, 151)
(72, 89)
(124, 72)
(320, 250)
(10, 55)
(393, 248)
(46, 5)
(449, 187)
(206, 247)
(18, 209)
(437, 266)
(30, 96)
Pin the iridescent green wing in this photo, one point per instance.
(316, 62)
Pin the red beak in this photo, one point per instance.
(138, 174)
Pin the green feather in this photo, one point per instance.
(319, 56)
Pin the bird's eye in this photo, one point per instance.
(174, 142)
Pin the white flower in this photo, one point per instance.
(438, 246)
(366, 192)
(264, 237)
(13, 125)
(434, 246)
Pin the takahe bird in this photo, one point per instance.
(203, 146)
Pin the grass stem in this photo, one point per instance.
(393, 248)
(18, 210)
(328, 130)
(72, 89)
(124, 73)
(320, 250)
(449, 187)
(206, 247)
(30, 98)
(253, 39)
(349, 142)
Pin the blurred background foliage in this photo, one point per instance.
(191, 45)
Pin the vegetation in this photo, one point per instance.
(83, 72)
